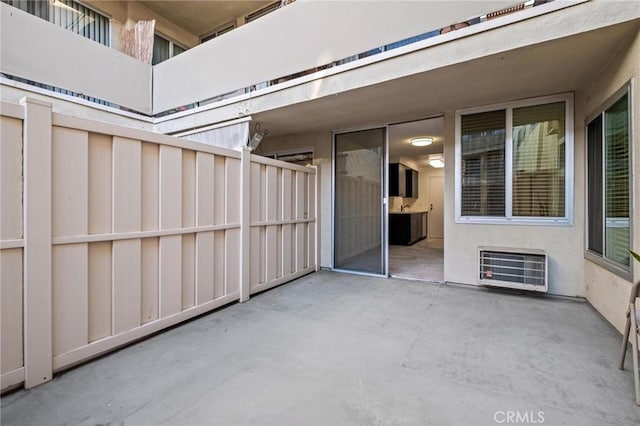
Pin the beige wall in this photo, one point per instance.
(563, 244)
(608, 292)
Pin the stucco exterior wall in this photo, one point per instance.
(606, 291)
(564, 244)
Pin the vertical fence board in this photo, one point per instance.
(70, 182)
(287, 195)
(127, 205)
(232, 264)
(204, 267)
(219, 264)
(170, 218)
(256, 256)
(205, 189)
(188, 188)
(99, 284)
(149, 280)
(100, 179)
(188, 270)
(220, 185)
(271, 252)
(70, 298)
(11, 178)
(126, 285)
(301, 195)
(151, 185)
(170, 275)
(234, 192)
(301, 246)
(271, 193)
(127, 185)
(11, 314)
(287, 250)
(257, 192)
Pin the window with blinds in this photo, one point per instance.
(538, 160)
(512, 161)
(608, 180)
(70, 15)
(483, 167)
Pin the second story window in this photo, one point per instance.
(217, 33)
(260, 13)
(164, 49)
(70, 15)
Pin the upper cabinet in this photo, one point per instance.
(403, 181)
(397, 180)
(412, 183)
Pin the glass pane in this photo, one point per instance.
(483, 167)
(160, 49)
(594, 182)
(359, 160)
(538, 161)
(616, 121)
(178, 49)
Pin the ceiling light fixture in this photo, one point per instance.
(421, 141)
(436, 161)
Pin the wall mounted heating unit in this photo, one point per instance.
(523, 269)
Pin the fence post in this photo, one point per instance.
(245, 225)
(317, 216)
(37, 168)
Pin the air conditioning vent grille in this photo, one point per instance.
(514, 269)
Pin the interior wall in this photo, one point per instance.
(320, 143)
(606, 291)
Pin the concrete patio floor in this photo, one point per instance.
(336, 349)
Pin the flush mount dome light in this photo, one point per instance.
(436, 161)
(421, 141)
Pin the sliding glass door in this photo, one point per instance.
(359, 210)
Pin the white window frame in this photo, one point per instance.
(508, 218)
(623, 271)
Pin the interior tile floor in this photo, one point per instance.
(423, 261)
(340, 349)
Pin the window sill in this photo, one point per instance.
(609, 265)
(484, 220)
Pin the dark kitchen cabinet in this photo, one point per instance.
(412, 183)
(403, 181)
(397, 180)
(407, 228)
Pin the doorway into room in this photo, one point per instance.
(416, 200)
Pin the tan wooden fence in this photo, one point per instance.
(109, 233)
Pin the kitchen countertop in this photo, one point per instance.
(408, 212)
